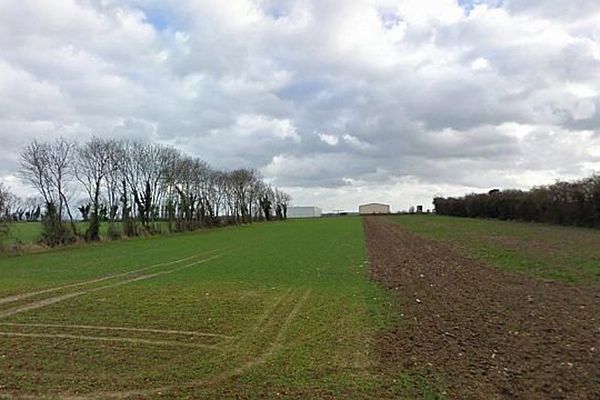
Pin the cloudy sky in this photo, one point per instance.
(337, 101)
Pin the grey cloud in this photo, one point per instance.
(419, 100)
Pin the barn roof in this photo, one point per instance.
(374, 204)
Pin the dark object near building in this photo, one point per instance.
(419, 209)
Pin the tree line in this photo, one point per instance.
(565, 203)
(135, 188)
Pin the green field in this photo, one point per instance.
(27, 233)
(263, 310)
(23, 233)
(546, 251)
(284, 309)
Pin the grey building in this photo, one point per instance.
(373, 208)
(304, 212)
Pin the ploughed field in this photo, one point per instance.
(444, 308)
(491, 309)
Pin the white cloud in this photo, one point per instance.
(356, 142)
(251, 125)
(480, 64)
(331, 140)
(408, 98)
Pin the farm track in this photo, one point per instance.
(488, 333)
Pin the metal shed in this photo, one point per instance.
(304, 212)
(374, 208)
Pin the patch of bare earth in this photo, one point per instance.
(490, 334)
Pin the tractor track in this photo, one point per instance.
(24, 296)
(53, 300)
(289, 304)
(118, 328)
(109, 339)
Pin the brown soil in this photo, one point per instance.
(488, 333)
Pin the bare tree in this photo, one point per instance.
(144, 170)
(216, 193)
(147, 183)
(242, 182)
(5, 208)
(60, 170)
(34, 165)
(48, 168)
(92, 162)
(266, 200)
(282, 200)
(181, 177)
(113, 183)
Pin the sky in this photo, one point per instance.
(338, 102)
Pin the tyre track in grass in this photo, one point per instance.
(296, 300)
(278, 342)
(119, 328)
(24, 296)
(53, 300)
(292, 298)
(172, 343)
(268, 312)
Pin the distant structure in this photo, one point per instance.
(373, 208)
(304, 212)
(419, 209)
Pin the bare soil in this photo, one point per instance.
(488, 333)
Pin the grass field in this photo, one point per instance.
(284, 309)
(545, 251)
(23, 233)
(26, 233)
(270, 309)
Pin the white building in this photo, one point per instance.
(373, 208)
(304, 212)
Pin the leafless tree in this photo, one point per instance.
(242, 183)
(92, 161)
(5, 212)
(148, 183)
(266, 199)
(182, 176)
(113, 182)
(216, 193)
(34, 165)
(60, 170)
(48, 168)
(144, 170)
(282, 201)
